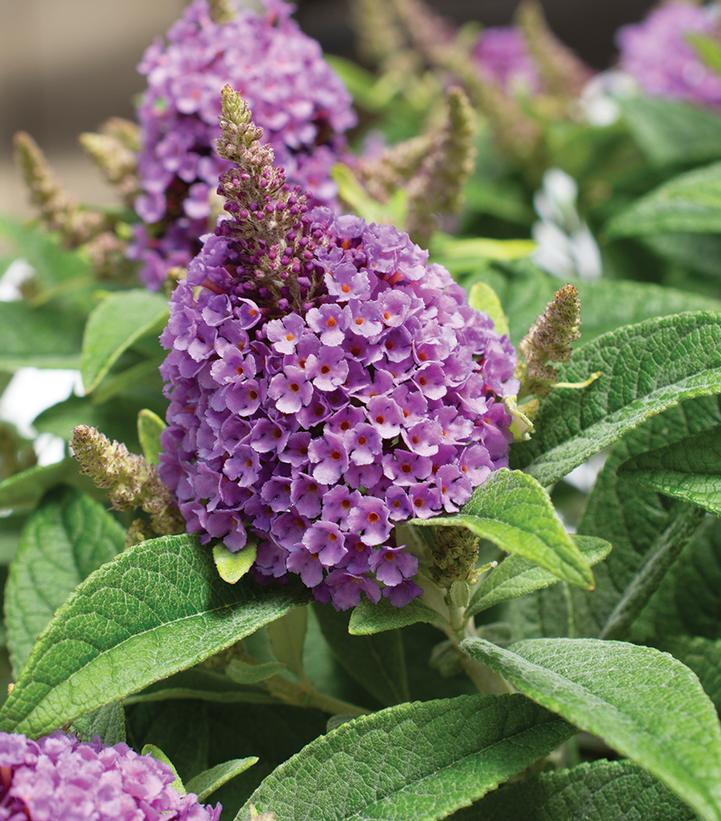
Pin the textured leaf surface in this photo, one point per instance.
(515, 576)
(377, 663)
(206, 783)
(420, 760)
(150, 428)
(158, 608)
(514, 512)
(118, 322)
(643, 703)
(107, 724)
(40, 337)
(689, 470)
(600, 791)
(61, 544)
(646, 369)
(369, 618)
(688, 203)
(701, 655)
(25, 489)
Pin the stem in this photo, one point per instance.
(485, 680)
(668, 548)
(305, 695)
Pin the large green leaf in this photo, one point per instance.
(156, 609)
(61, 544)
(26, 489)
(673, 131)
(40, 337)
(420, 760)
(597, 791)
(119, 321)
(643, 703)
(701, 655)
(376, 662)
(107, 724)
(515, 576)
(690, 203)
(646, 369)
(514, 512)
(689, 470)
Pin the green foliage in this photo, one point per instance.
(25, 489)
(38, 337)
(115, 325)
(643, 703)
(107, 724)
(206, 783)
(150, 427)
(418, 760)
(158, 608)
(646, 368)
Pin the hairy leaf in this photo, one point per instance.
(158, 608)
(107, 724)
(647, 368)
(514, 512)
(420, 760)
(25, 489)
(369, 618)
(643, 703)
(206, 783)
(40, 337)
(150, 427)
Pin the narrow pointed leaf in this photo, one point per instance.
(159, 755)
(643, 703)
(421, 760)
(647, 368)
(369, 618)
(150, 427)
(206, 783)
(156, 609)
(514, 512)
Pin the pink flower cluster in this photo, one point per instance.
(321, 428)
(58, 778)
(296, 98)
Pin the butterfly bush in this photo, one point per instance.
(502, 55)
(296, 97)
(658, 56)
(58, 777)
(325, 387)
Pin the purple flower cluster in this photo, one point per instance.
(320, 428)
(502, 55)
(658, 56)
(58, 778)
(296, 98)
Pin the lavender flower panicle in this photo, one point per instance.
(502, 56)
(657, 54)
(325, 383)
(58, 777)
(114, 150)
(298, 100)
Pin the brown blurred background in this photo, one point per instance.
(65, 65)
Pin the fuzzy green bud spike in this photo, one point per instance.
(117, 162)
(221, 11)
(381, 176)
(438, 186)
(550, 339)
(380, 40)
(58, 211)
(126, 132)
(132, 482)
(562, 74)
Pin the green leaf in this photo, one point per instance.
(643, 703)
(514, 512)
(707, 48)
(232, 567)
(156, 609)
(369, 618)
(377, 663)
(159, 755)
(689, 203)
(515, 576)
(26, 489)
(119, 321)
(701, 655)
(242, 672)
(646, 369)
(62, 543)
(600, 790)
(107, 724)
(200, 685)
(10, 530)
(672, 131)
(206, 783)
(287, 638)
(689, 470)
(150, 427)
(483, 298)
(421, 760)
(38, 337)
(354, 194)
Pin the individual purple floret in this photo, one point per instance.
(296, 98)
(656, 53)
(502, 55)
(58, 778)
(326, 382)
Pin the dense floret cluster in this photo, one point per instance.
(58, 778)
(502, 55)
(657, 54)
(296, 97)
(319, 428)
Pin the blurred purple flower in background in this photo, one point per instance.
(502, 55)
